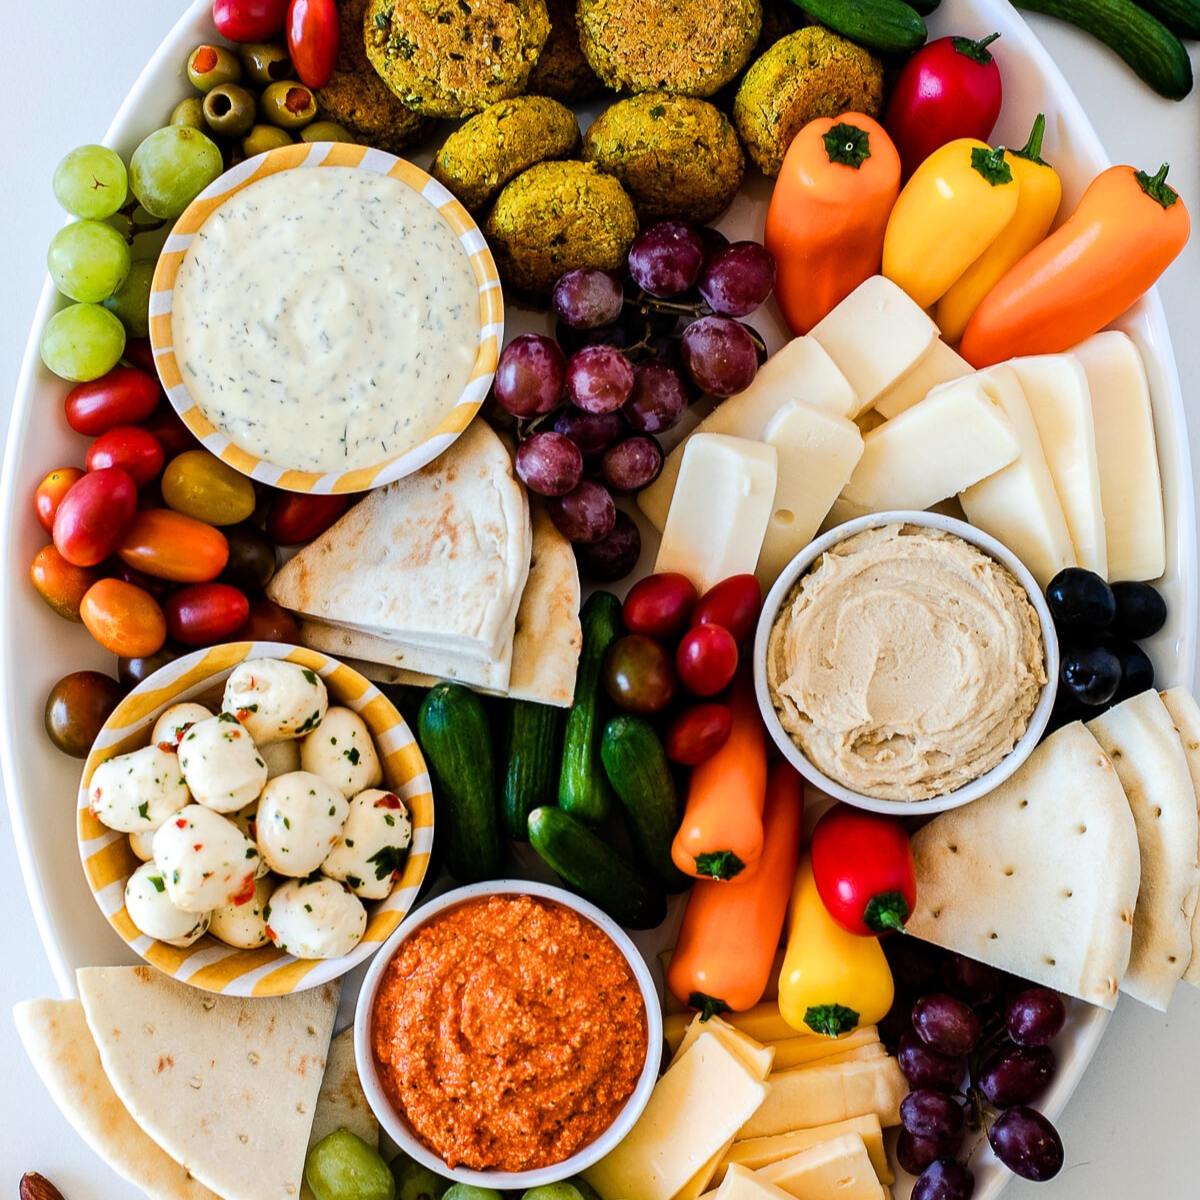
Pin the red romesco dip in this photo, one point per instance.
(510, 1031)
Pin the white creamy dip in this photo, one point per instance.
(326, 319)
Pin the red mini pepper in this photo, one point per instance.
(949, 89)
(314, 36)
(863, 869)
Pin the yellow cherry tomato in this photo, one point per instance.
(200, 485)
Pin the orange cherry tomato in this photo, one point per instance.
(169, 545)
(61, 584)
(123, 618)
(50, 492)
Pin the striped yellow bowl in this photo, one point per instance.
(108, 860)
(306, 156)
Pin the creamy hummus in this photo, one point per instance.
(906, 663)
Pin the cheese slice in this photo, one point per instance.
(875, 336)
(763, 1023)
(695, 1108)
(1057, 390)
(953, 438)
(857, 1054)
(1019, 505)
(762, 1152)
(801, 371)
(753, 1055)
(939, 365)
(839, 1168)
(802, 1051)
(1126, 456)
(1185, 716)
(822, 1095)
(741, 1184)
(818, 451)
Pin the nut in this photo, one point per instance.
(38, 1187)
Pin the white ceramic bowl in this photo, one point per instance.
(977, 787)
(398, 1128)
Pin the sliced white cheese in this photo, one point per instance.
(762, 1152)
(1019, 505)
(763, 1022)
(840, 1167)
(939, 365)
(1127, 456)
(753, 1055)
(875, 336)
(953, 438)
(800, 371)
(856, 1054)
(802, 1051)
(1057, 390)
(741, 1184)
(818, 452)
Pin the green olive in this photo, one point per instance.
(265, 63)
(262, 138)
(229, 110)
(208, 66)
(189, 112)
(326, 131)
(289, 104)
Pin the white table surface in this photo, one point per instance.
(1131, 1128)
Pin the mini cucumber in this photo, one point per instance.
(887, 25)
(1181, 17)
(534, 757)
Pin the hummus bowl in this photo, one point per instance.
(1040, 641)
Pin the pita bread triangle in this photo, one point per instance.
(1040, 877)
(227, 1086)
(1185, 716)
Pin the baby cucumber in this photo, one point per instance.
(887, 25)
(1181, 17)
(534, 756)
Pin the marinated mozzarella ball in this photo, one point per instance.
(299, 818)
(205, 860)
(243, 925)
(137, 792)
(142, 844)
(221, 764)
(342, 752)
(276, 700)
(246, 819)
(152, 910)
(370, 854)
(280, 757)
(315, 918)
(174, 723)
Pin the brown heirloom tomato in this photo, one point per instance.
(171, 546)
(61, 584)
(269, 623)
(123, 618)
(76, 709)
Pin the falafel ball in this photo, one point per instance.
(447, 58)
(808, 74)
(558, 216)
(561, 71)
(688, 47)
(496, 145)
(676, 156)
(357, 99)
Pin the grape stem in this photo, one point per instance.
(135, 227)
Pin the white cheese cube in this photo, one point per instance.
(1019, 505)
(1126, 455)
(939, 365)
(1057, 390)
(875, 336)
(720, 510)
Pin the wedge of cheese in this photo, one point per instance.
(753, 1055)
(875, 336)
(1126, 456)
(1019, 505)
(839, 1167)
(720, 509)
(762, 1152)
(939, 365)
(800, 372)
(805, 1051)
(763, 1023)
(1057, 390)
(741, 1184)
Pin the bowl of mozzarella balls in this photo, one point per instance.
(255, 819)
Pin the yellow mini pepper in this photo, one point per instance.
(951, 210)
(831, 981)
(1037, 206)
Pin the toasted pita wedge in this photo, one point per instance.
(227, 1086)
(1040, 877)
(1185, 716)
(1140, 739)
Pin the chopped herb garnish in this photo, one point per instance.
(387, 861)
(144, 811)
(159, 885)
(353, 755)
(311, 676)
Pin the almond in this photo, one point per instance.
(38, 1187)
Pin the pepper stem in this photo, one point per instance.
(847, 144)
(719, 864)
(991, 165)
(975, 50)
(1032, 150)
(708, 1006)
(887, 911)
(1156, 186)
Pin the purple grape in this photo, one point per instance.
(720, 355)
(1035, 1016)
(713, 239)
(530, 375)
(947, 1025)
(916, 966)
(933, 1115)
(599, 379)
(593, 433)
(584, 515)
(945, 1179)
(975, 982)
(614, 556)
(1027, 1144)
(926, 1068)
(1017, 1074)
(665, 259)
(632, 464)
(549, 463)
(914, 1154)
(587, 298)
(737, 278)
(659, 398)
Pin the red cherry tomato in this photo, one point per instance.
(269, 623)
(125, 396)
(135, 451)
(62, 585)
(206, 613)
(314, 35)
(698, 733)
(249, 20)
(171, 433)
(734, 604)
(93, 515)
(296, 517)
(706, 659)
(123, 618)
(50, 492)
(659, 605)
(169, 545)
(139, 353)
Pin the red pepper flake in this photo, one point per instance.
(271, 934)
(181, 823)
(98, 793)
(388, 801)
(242, 714)
(247, 890)
(198, 847)
(169, 747)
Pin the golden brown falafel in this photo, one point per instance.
(561, 71)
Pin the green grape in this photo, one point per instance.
(88, 261)
(131, 301)
(584, 1188)
(91, 182)
(554, 1191)
(343, 1167)
(465, 1191)
(171, 168)
(83, 342)
(415, 1182)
